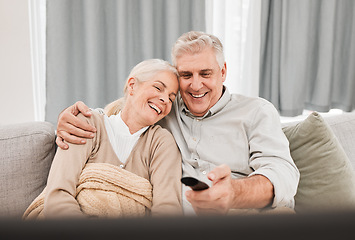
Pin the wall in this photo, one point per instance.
(16, 94)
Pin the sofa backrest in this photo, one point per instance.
(26, 154)
(343, 126)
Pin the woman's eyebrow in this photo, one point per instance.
(161, 83)
(158, 81)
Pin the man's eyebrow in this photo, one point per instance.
(207, 70)
(184, 72)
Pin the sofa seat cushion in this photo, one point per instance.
(26, 153)
(327, 178)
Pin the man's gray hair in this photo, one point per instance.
(195, 42)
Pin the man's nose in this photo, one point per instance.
(196, 83)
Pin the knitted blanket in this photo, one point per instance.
(105, 190)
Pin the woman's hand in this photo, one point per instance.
(72, 129)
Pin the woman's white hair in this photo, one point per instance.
(145, 70)
(142, 72)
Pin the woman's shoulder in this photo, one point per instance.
(156, 132)
(96, 118)
(159, 130)
(157, 139)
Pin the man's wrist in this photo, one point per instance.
(252, 192)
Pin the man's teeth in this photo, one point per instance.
(198, 96)
(155, 108)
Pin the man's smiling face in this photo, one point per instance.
(201, 80)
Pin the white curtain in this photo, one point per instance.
(37, 16)
(237, 24)
(92, 45)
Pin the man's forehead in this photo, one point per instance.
(194, 70)
(197, 61)
(196, 66)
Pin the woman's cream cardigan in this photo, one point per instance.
(155, 158)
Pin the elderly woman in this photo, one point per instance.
(131, 167)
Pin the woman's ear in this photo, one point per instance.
(131, 85)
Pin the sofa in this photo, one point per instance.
(322, 147)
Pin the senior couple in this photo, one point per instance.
(173, 115)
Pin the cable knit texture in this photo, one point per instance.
(105, 190)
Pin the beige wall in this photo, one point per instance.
(16, 94)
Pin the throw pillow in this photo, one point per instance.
(327, 179)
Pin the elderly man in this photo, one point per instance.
(233, 142)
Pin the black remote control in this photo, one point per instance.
(195, 184)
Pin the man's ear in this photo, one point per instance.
(224, 71)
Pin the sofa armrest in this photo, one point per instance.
(26, 154)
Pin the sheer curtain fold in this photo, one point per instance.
(307, 55)
(237, 25)
(92, 45)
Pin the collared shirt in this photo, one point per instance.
(243, 132)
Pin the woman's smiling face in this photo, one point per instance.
(151, 100)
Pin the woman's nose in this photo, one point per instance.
(164, 98)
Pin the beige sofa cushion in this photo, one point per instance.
(327, 178)
(343, 126)
(26, 153)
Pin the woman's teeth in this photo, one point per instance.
(155, 108)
